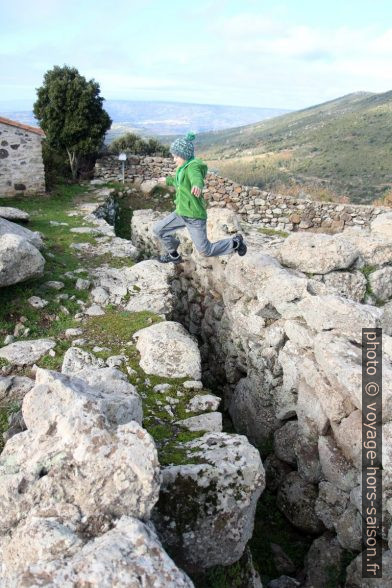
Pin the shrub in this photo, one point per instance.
(136, 145)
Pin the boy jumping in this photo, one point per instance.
(190, 209)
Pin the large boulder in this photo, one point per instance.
(205, 511)
(382, 226)
(20, 260)
(355, 579)
(75, 453)
(129, 554)
(296, 499)
(317, 253)
(373, 248)
(348, 284)
(144, 286)
(26, 352)
(342, 316)
(13, 214)
(33, 237)
(381, 283)
(166, 349)
(118, 398)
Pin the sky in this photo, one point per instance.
(287, 55)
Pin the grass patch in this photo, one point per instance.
(5, 412)
(267, 231)
(114, 330)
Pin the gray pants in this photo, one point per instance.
(197, 229)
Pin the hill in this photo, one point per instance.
(157, 118)
(338, 148)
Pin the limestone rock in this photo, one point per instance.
(166, 349)
(146, 285)
(386, 324)
(54, 284)
(354, 577)
(19, 260)
(13, 214)
(336, 468)
(211, 421)
(33, 237)
(284, 442)
(37, 302)
(75, 359)
(349, 529)
(203, 402)
(252, 410)
(120, 401)
(206, 510)
(382, 226)
(71, 453)
(148, 186)
(129, 554)
(341, 363)
(381, 283)
(14, 388)
(330, 504)
(299, 333)
(296, 500)
(26, 352)
(373, 248)
(317, 253)
(324, 560)
(343, 316)
(348, 284)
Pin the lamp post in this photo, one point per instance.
(122, 157)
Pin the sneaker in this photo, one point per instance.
(170, 257)
(239, 245)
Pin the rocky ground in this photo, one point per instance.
(113, 446)
(106, 350)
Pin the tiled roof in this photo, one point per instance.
(15, 123)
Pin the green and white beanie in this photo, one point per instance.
(183, 147)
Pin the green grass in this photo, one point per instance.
(114, 330)
(267, 231)
(57, 239)
(5, 412)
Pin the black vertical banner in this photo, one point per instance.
(371, 452)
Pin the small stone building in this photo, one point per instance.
(21, 165)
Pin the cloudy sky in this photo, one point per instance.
(247, 53)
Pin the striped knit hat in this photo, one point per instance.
(183, 147)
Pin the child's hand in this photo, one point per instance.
(196, 191)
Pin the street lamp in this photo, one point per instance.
(122, 157)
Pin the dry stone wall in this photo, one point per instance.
(266, 209)
(21, 165)
(281, 336)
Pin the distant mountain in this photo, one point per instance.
(175, 118)
(341, 147)
(164, 118)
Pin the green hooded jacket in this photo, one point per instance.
(189, 174)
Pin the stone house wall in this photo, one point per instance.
(254, 205)
(21, 165)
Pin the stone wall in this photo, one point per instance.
(280, 333)
(266, 209)
(21, 165)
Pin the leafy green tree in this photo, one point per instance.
(132, 143)
(69, 110)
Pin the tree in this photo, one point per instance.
(69, 110)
